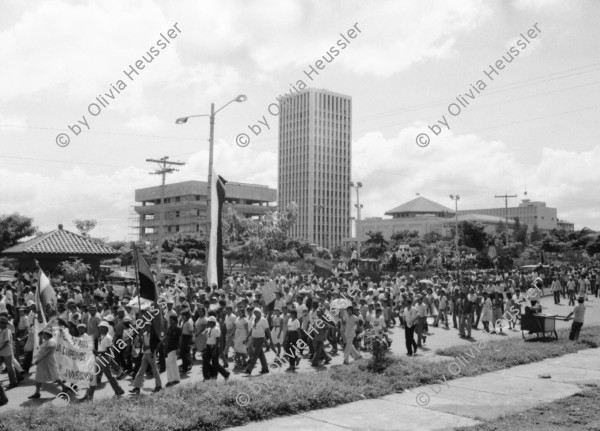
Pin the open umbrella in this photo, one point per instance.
(340, 304)
(145, 303)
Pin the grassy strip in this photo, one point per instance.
(204, 406)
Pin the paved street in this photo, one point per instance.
(441, 338)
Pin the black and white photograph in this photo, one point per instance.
(370, 215)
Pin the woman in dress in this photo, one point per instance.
(199, 336)
(47, 368)
(277, 331)
(239, 339)
(486, 312)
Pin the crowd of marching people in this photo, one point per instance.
(232, 327)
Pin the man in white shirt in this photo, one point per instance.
(210, 358)
(103, 360)
(259, 332)
(411, 316)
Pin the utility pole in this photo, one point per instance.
(506, 197)
(163, 170)
(457, 252)
(358, 206)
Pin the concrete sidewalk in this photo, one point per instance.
(461, 402)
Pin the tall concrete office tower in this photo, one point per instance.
(315, 137)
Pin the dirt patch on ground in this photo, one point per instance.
(577, 412)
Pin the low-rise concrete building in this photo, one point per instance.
(185, 206)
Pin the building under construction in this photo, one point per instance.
(185, 206)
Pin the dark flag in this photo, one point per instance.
(214, 269)
(147, 289)
(147, 286)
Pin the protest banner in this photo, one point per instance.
(268, 292)
(75, 358)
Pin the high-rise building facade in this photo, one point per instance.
(315, 140)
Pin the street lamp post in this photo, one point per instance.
(211, 140)
(357, 187)
(457, 254)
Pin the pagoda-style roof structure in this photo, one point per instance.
(420, 206)
(54, 247)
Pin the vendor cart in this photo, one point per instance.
(540, 326)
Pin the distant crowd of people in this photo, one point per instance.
(232, 327)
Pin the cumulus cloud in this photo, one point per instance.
(394, 170)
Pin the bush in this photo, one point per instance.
(378, 345)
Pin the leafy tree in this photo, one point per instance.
(14, 227)
(85, 226)
(432, 237)
(404, 236)
(266, 239)
(531, 252)
(182, 248)
(473, 235)
(376, 244)
(535, 235)
(74, 270)
(520, 232)
(593, 247)
(126, 253)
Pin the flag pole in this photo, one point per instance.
(38, 298)
(136, 262)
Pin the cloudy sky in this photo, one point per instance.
(533, 128)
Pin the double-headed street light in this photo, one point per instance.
(457, 255)
(357, 187)
(183, 120)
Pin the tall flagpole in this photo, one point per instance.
(38, 297)
(136, 262)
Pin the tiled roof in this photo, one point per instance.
(61, 242)
(419, 205)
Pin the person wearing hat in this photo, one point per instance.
(210, 358)
(150, 343)
(103, 361)
(171, 340)
(47, 368)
